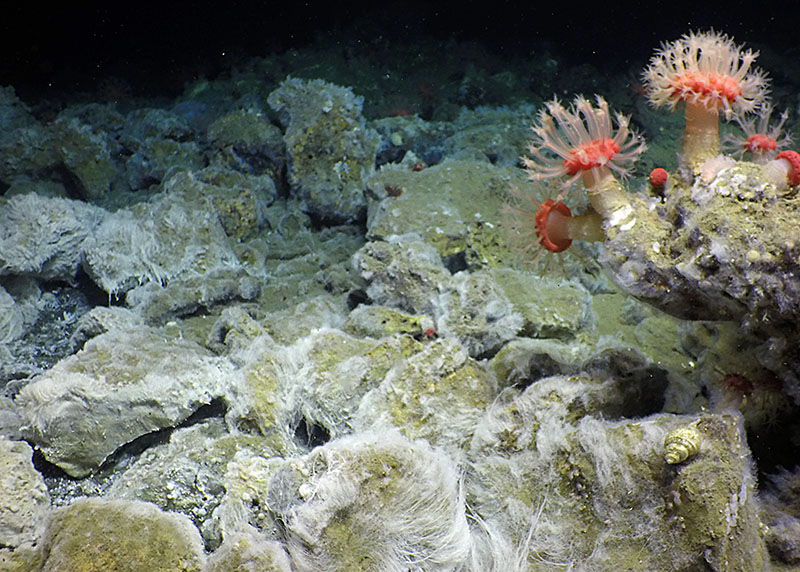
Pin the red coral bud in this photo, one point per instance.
(759, 143)
(658, 178)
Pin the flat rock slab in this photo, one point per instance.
(121, 386)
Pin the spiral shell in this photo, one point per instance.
(680, 444)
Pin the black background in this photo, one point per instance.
(47, 48)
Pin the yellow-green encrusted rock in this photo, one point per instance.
(95, 535)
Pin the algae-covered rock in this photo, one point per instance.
(96, 535)
(44, 236)
(100, 320)
(410, 138)
(26, 146)
(563, 455)
(156, 241)
(155, 157)
(378, 321)
(244, 508)
(644, 387)
(186, 475)
(24, 500)
(12, 319)
(549, 307)
(453, 206)
(239, 199)
(153, 122)
(248, 142)
(779, 496)
(27, 558)
(318, 380)
(301, 319)
(157, 304)
(234, 329)
(715, 499)
(158, 141)
(86, 154)
(722, 247)
(330, 149)
(404, 273)
(121, 386)
(438, 394)
(371, 502)
(496, 135)
(249, 552)
(477, 311)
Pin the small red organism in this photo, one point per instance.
(658, 178)
(393, 190)
(738, 384)
(417, 167)
(759, 144)
(429, 333)
(762, 138)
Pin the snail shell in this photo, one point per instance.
(680, 444)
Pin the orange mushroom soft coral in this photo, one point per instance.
(710, 74)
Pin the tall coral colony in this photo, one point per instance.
(706, 73)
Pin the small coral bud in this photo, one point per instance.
(762, 139)
(758, 144)
(680, 444)
(658, 178)
(783, 171)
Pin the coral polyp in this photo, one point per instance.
(710, 74)
(580, 142)
(762, 139)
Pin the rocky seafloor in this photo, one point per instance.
(275, 325)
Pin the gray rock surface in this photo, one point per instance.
(330, 149)
(44, 236)
(24, 501)
(122, 385)
(156, 241)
